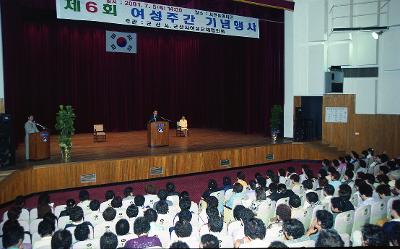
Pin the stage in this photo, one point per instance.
(132, 144)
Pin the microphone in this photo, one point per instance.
(43, 127)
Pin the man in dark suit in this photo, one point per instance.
(155, 117)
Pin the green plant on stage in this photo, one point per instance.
(276, 119)
(65, 125)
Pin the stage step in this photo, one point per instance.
(5, 173)
(331, 152)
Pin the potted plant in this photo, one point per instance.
(65, 125)
(276, 121)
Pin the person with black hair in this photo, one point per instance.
(139, 201)
(328, 193)
(116, 203)
(108, 196)
(382, 179)
(260, 180)
(122, 227)
(179, 244)
(13, 236)
(162, 196)
(373, 235)
(308, 185)
(128, 194)
(236, 228)
(348, 178)
(345, 193)
(312, 200)
(329, 238)
(82, 232)
(62, 239)
(209, 241)
(70, 203)
(394, 235)
(183, 231)
(283, 192)
(141, 228)
(323, 220)
(384, 192)
(84, 200)
(94, 216)
(335, 179)
(43, 206)
(46, 229)
(237, 195)
(296, 186)
(94, 206)
(295, 205)
(282, 175)
(108, 241)
(254, 230)
(171, 189)
(227, 182)
(274, 229)
(76, 217)
(261, 197)
(277, 244)
(151, 216)
(366, 192)
(241, 179)
(395, 214)
(165, 219)
(293, 231)
(212, 187)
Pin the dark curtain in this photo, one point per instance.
(222, 82)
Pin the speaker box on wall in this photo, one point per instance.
(7, 145)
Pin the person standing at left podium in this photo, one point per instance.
(30, 127)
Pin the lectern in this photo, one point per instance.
(157, 134)
(39, 145)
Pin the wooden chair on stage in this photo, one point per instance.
(181, 132)
(99, 134)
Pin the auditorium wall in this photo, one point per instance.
(311, 48)
(379, 131)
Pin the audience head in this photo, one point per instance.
(13, 236)
(132, 211)
(295, 178)
(141, 226)
(179, 244)
(183, 229)
(162, 194)
(293, 229)
(383, 190)
(370, 179)
(345, 192)
(170, 187)
(329, 238)
(308, 184)
(281, 188)
(162, 207)
(246, 215)
(383, 179)
(282, 172)
(94, 205)
(46, 228)
(322, 173)
(362, 164)
(109, 195)
(261, 181)
(365, 191)
(116, 202)
(227, 181)
(150, 189)
(373, 235)
(184, 194)
(237, 188)
(82, 232)
(109, 214)
(44, 199)
(185, 203)
(212, 185)
(128, 191)
(212, 212)
(215, 224)
(253, 185)
(291, 170)
(324, 219)
(209, 241)
(70, 203)
(19, 201)
(237, 212)
(329, 190)
(150, 215)
(283, 212)
(139, 200)
(312, 197)
(273, 187)
(14, 213)
(294, 201)
(348, 175)
(241, 176)
(83, 195)
(185, 215)
(255, 229)
(122, 227)
(322, 182)
(277, 244)
(338, 205)
(260, 194)
(61, 239)
(76, 214)
(108, 241)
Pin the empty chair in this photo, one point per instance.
(344, 222)
(99, 133)
(59, 209)
(87, 244)
(316, 208)
(346, 239)
(33, 227)
(378, 212)
(361, 217)
(265, 211)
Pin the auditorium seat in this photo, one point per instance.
(282, 201)
(344, 222)
(33, 227)
(59, 209)
(307, 244)
(99, 133)
(107, 226)
(389, 206)
(265, 211)
(378, 212)
(361, 217)
(63, 221)
(87, 244)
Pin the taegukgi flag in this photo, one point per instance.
(121, 42)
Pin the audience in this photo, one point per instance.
(141, 228)
(108, 241)
(329, 238)
(62, 239)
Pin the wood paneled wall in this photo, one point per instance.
(2, 108)
(381, 132)
(67, 175)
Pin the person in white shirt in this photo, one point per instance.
(84, 201)
(45, 230)
(183, 125)
(282, 174)
(241, 215)
(184, 232)
(366, 192)
(30, 127)
(293, 231)
(254, 231)
(128, 194)
(295, 205)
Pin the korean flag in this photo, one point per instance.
(120, 42)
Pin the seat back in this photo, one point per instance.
(307, 243)
(282, 201)
(33, 227)
(315, 209)
(346, 239)
(361, 217)
(98, 127)
(265, 211)
(33, 214)
(63, 221)
(306, 218)
(344, 222)
(59, 209)
(87, 244)
(378, 212)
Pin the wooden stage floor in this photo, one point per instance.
(131, 144)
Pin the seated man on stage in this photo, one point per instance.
(183, 126)
(30, 127)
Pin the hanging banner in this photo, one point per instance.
(151, 15)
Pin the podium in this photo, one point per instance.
(158, 134)
(39, 145)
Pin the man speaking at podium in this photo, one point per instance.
(30, 127)
(155, 117)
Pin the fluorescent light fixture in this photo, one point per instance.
(376, 35)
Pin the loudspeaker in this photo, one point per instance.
(7, 144)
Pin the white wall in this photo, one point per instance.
(315, 48)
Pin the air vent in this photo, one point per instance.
(225, 163)
(157, 171)
(364, 72)
(88, 178)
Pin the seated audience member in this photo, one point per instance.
(13, 218)
(323, 173)
(62, 239)
(241, 215)
(241, 179)
(70, 203)
(45, 229)
(373, 235)
(260, 180)
(254, 231)
(76, 217)
(128, 194)
(308, 186)
(396, 188)
(348, 178)
(322, 182)
(277, 244)
(272, 191)
(274, 229)
(325, 164)
(269, 175)
(323, 220)
(108, 241)
(395, 214)
(116, 203)
(151, 195)
(216, 228)
(251, 193)
(164, 218)
(84, 200)
(95, 217)
(141, 228)
(382, 179)
(180, 244)
(227, 182)
(338, 205)
(183, 232)
(335, 179)
(108, 196)
(151, 216)
(394, 235)
(43, 206)
(329, 238)
(237, 195)
(296, 187)
(295, 205)
(283, 192)
(261, 197)
(384, 192)
(303, 175)
(212, 187)
(345, 193)
(342, 165)
(293, 231)
(139, 202)
(206, 241)
(122, 229)
(170, 187)
(13, 236)
(366, 195)
(162, 196)
(282, 175)
(210, 202)
(82, 232)
(290, 171)
(328, 193)
(312, 200)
